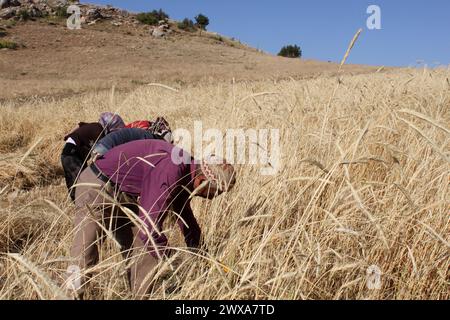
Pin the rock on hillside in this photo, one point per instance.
(14, 9)
(90, 14)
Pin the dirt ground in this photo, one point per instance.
(55, 61)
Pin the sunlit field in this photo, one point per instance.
(363, 181)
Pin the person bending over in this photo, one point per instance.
(149, 175)
(79, 143)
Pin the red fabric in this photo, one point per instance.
(142, 124)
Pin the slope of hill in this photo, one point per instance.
(53, 60)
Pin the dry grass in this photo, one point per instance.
(364, 181)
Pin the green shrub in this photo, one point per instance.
(24, 15)
(202, 21)
(8, 44)
(61, 12)
(147, 18)
(152, 18)
(187, 25)
(290, 51)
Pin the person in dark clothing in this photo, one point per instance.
(72, 163)
(80, 142)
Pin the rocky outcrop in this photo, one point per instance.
(93, 14)
(8, 13)
(20, 9)
(90, 14)
(160, 31)
(9, 3)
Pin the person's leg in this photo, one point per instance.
(89, 234)
(88, 229)
(72, 165)
(88, 219)
(121, 226)
(143, 263)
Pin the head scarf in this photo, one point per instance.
(111, 122)
(161, 128)
(220, 174)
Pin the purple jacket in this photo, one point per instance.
(145, 168)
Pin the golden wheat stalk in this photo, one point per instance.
(350, 47)
(31, 267)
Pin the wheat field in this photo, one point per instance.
(364, 180)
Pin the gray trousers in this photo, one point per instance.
(97, 215)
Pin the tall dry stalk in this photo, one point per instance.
(374, 192)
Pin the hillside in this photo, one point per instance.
(53, 60)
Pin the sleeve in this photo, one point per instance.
(100, 149)
(104, 144)
(156, 197)
(190, 228)
(122, 136)
(74, 134)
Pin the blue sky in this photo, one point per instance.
(412, 30)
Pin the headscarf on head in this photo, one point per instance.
(220, 174)
(161, 128)
(111, 122)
